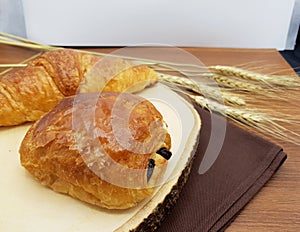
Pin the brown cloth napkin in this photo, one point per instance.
(211, 201)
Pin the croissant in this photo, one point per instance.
(28, 93)
(81, 148)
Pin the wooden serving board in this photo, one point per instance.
(26, 205)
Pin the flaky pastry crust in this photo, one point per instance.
(69, 153)
(28, 93)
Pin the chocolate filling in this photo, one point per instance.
(151, 166)
(164, 152)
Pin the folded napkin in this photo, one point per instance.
(210, 201)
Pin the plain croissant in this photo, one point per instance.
(28, 93)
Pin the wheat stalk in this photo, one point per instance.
(187, 69)
(261, 121)
(286, 81)
(13, 65)
(10, 39)
(22, 64)
(202, 89)
(238, 85)
(232, 84)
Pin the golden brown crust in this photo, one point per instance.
(146, 76)
(25, 95)
(112, 74)
(65, 152)
(66, 67)
(28, 93)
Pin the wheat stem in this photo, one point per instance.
(21, 63)
(187, 69)
(15, 37)
(27, 45)
(226, 76)
(33, 45)
(13, 65)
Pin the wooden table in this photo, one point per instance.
(277, 206)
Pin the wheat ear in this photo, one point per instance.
(202, 89)
(264, 123)
(283, 80)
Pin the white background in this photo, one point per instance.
(203, 23)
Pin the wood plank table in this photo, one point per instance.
(277, 206)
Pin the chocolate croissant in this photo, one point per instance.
(28, 93)
(108, 149)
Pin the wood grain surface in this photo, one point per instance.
(277, 206)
